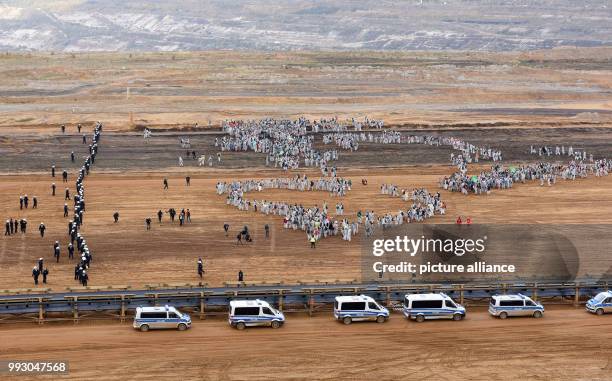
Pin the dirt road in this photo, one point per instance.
(567, 344)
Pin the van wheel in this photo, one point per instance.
(275, 324)
(503, 315)
(347, 320)
(182, 327)
(380, 319)
(537, 314)
(420, 318)
(240, 326)
(144, 328)
(457, 317)
(599, 311)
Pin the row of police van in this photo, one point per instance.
(419, 307)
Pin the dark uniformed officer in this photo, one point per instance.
(240, 276)
(116, 217)
(160, 214)
(226, 228)
(8, 228)
(35, 274)
(63, 128)
(267, 230)
(188, 180)
(34, 202)
(53, 189)
(70, 251)
(53, 171)
(66, 209)
(84, 278)
(72, 156)
(200, 267)
(148, 223)
(42, 228)
(67, 194)
(165, 183)
(65, 176)
(44, 274)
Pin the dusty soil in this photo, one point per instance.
(566, 344)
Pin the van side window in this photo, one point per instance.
(250, 311)
(608, 300)
(351, 306)
(511, 303)
(372, 306)
(266, 311)
(172, 315)
(427, 304)
(152, 315)
(450, 304)
(529, 303)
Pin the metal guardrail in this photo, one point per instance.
(118, 302)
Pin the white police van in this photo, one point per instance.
(503, 306)
(601, 303)
(359, 308)
(161, 318)
(249, 313)
(432, 306)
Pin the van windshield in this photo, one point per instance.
(600, 297)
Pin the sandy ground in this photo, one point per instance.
(566, 344)
(125, 253)
(41, 91)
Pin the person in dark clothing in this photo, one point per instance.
(70, 251)
(42, 228)
(20, 202)
(8, 228)
(116, 217)
(23, 225)
(160, 214)
(67, 194)
(15, 225)
(77, 272)
(240, 276)
(56, 252)
(239, 239)
(188, 216)
(65, 176)
(65, 210)
(188, 181)
(45, 273)
(84, 139)
(34, 202)
(63, 128)
(53, 171)
(40, 264)
(53, 189)
(267, 230)
(35, 274)
(79, 128)
(148, 223)
(84, 278)
(226, 228)
(172, 213)
(200, 267)
(72, 156)
(26, 200)
(165, 183)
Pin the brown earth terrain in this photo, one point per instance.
(507, 101)
(566, 344)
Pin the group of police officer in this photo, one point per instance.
(74, 225)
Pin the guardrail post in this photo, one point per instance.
(202, 306)
(534, 293)
(310, 303)
(41, 311)
(75, 309)
(388, 296)
(280, 300)
(122, 308)
(577, 295)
